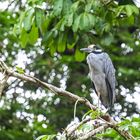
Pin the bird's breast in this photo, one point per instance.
(95, 63)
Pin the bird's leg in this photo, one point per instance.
(98, 100)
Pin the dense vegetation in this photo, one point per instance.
(44, 39)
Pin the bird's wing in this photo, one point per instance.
(110, 74)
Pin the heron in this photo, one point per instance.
(102, 74)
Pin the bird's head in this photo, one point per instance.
(91, 48)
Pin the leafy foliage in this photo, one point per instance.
(131, 126)
(50, 37)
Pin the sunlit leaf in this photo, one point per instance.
(46, 137)
(23, 38)
(79, 56)
(27, 22)
(74, 6)
(61, 45)
(130, 9)
(52, 47)
(33, 35)
(76, 24)
(20, 70)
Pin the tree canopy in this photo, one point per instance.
(43, 39)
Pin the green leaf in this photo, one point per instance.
(79, 56)
(136, 120)
(95, 114)
(127, 9)
(106, 27)
(87, 21)
(60, 25)
(66, 6)
(27, 21)
(39, 14)
(107, 40)
(23, 38)
(16, 30)
(74, 6)
(52, 47)
(50, 137)
(48, 36)
(20, 70)
(119, 10)
(92, 20)
(76, 24)
(88, 7)
(135, 9)
(69, 20)
(22, 16)
(46, 137)
(46, 23)
(72, 40)
(84, 22)
(33, 35)
(87, 113)
(62, 42)
(32, 1)
(130, 9)
(58, 6)
(129, 21)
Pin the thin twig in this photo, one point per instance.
(9, 5)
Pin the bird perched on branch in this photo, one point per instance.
(102, 74)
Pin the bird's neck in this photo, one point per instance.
(97, 51)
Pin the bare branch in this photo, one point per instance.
(3, 82)
(94, 132)
(70, 130)
(54, 89)
(9, 5)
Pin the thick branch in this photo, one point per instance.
(3, 82)
(60, 92)
(54, 89)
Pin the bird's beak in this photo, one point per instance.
(85, 49)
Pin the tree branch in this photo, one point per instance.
(54, 89)
(94, 132)
(61, 92)
(71, 130)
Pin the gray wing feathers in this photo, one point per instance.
(110, 73)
